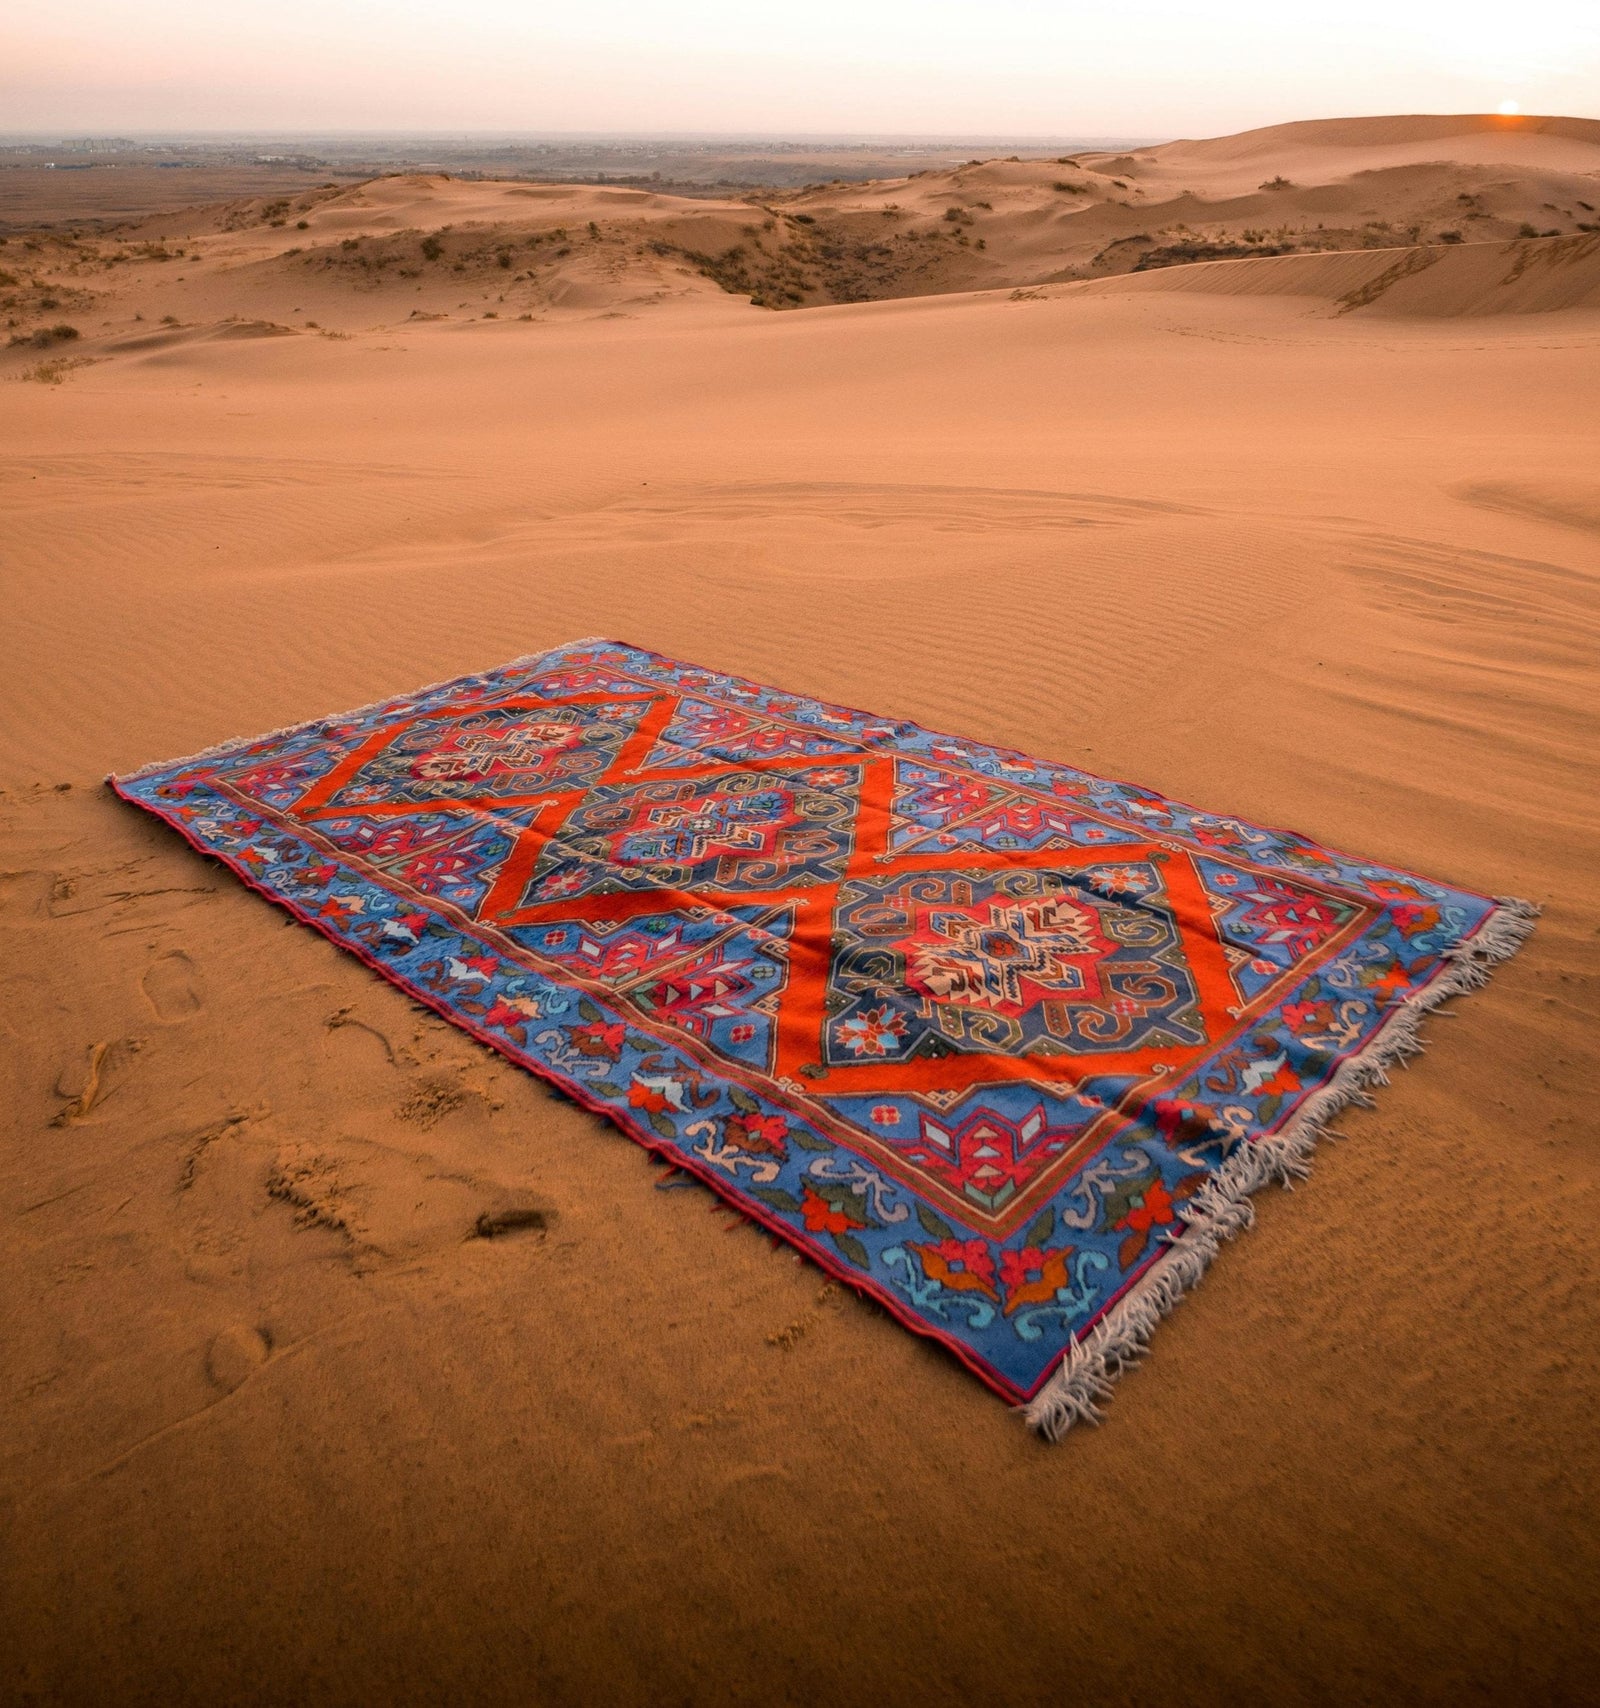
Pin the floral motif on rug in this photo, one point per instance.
(1003, 1044)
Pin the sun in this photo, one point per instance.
(1510, 109)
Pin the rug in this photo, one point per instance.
(1005, 1045)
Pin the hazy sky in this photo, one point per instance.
(1151, 68)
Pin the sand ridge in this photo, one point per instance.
(341, 259)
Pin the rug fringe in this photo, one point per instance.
(238, 743)
(1222, 1208)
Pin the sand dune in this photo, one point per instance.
(1541, 276)
(1333, 148)
(275, 1427)
(352, 258)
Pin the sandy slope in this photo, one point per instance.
(272, 1428)
(346, 259)
(1540, 276)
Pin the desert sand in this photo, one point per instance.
(1311, 537)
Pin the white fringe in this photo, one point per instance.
(1222, 1208)
(223, 748)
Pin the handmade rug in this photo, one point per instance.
(1001, 1043)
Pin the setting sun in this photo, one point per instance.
(1509, 109)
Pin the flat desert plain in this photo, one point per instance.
(1313, 538)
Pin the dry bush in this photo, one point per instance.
(52, 373)
(45, 336)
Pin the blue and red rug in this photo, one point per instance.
(1004, 1045)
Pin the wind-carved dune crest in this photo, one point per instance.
(1408, 214)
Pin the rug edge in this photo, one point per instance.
(240, 742)
(1224, 1208)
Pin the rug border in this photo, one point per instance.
(1070, 1391)
(239, 743)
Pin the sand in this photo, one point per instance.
(275, 1428)
(350, 258)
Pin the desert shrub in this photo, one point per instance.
(1181, 254)
(958, 216)
(1526, 230)
(1064, 189)
(1449, 236)
(594, 230)
(45, 336)
(1278, 183)
(432, 249)
(52, 372)
(302, 225)
(504, 258)
(350, 243)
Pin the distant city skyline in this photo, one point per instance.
(715, 68)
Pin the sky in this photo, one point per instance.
(1145, 68)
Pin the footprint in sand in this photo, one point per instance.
(170, 987)
(235, 1355)
(94, 1080)
(510, 1219)
(314, 1187)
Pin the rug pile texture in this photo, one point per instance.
(1001, 1043)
